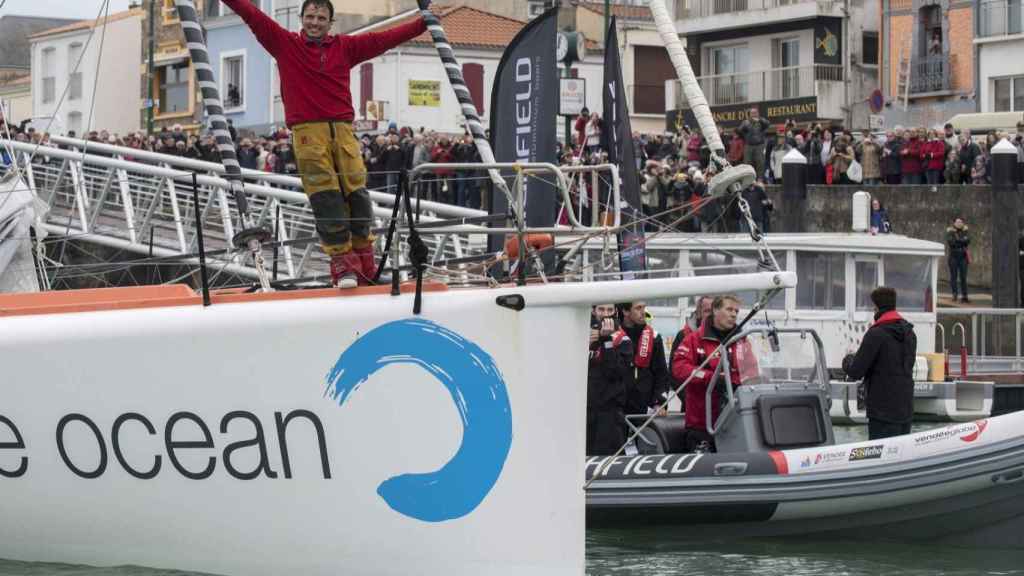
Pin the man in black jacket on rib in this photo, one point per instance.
(885, 360)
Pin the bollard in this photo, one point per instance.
(794, 191)
(1005, 206)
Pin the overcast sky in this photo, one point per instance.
(60, 8)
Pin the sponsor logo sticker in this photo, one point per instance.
(966, 433)
(867, 453)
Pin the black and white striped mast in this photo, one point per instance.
(458, 83)
(252, 235)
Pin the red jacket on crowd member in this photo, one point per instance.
(693, 149)
(688, 357)
(933, 153)
(911, 156)
(442, 155)
(315, 74)
(735, 153)
(581, 130)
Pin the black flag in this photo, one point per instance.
(524, 107)
(617, 136)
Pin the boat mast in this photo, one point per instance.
(729, 179)
(252, 235)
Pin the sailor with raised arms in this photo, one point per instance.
(315, 69)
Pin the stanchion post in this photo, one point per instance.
(1005, 229)
(794, 191)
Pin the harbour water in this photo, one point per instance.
(616, 553)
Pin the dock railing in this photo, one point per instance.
(993, 337)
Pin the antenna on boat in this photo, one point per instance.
(729, 179)
(252, 235)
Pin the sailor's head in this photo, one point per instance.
(724, 311)
(317, 16)
(633, 313)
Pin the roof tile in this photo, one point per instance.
(466, 26)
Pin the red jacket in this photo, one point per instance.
(937, 150)
(736, 146)
(315, 75)
(581, 130)
(911, 156)
(696, 347)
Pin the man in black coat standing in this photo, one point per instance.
(885, 360)
(607, 371)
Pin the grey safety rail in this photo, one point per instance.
(713, 426)
(522, 170)
(988, 354)
(141, 202)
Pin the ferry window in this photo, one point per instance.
(821, 278)
(663, 264)
(867, 280)
(737, 262)
(911, 276)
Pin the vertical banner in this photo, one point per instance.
(524, 109)
(617, 136)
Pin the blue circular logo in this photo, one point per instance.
(478, 390)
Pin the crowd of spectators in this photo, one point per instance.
(836, 155)
(674, 168)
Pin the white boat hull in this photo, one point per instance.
(176, 367)
(169, 434)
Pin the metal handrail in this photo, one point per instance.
(532, 168)
(441, 209)
(979, 347)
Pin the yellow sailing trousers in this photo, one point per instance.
(333, 175)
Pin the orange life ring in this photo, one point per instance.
(535, 241)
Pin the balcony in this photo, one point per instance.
(697, 16)
(1000, 18)
(762, 85)
(931, 75)
(813, 90)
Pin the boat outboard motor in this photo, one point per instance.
(783, 410)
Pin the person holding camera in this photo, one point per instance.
(607, 371)
(885, 362)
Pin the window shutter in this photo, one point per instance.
(365, 86)
(474, 75)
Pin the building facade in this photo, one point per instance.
(16, 97)
(243, 68)
(929, 61)
(175, 93)
(408, 85)
(80, 87)
(645, 62)
(800, 60)
(999, 42)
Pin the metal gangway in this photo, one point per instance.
(143, 202)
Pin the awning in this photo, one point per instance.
(982, 122)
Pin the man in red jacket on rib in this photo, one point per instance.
(315, 68)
